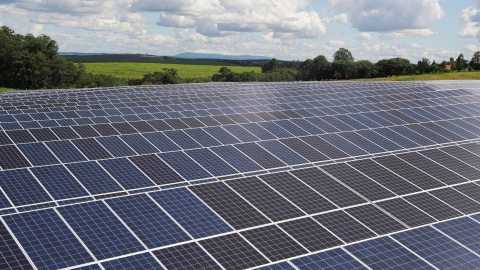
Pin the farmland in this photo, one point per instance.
(134, 70)
(464, 75)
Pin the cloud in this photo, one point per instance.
(470, 17)
(336, 43)
(389, 16)
(413, 33)
(472, 48)
(337, 19)
(367, 36)
(231, 17)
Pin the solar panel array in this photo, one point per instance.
(311, 175)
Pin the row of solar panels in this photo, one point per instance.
(275, 217)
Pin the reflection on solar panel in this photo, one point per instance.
(306, 175)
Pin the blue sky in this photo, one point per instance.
(285, 29)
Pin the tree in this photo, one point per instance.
(343, 55)
(271, 65)
(346, 69)
(393, 66)
(475, 62)
(365, 69)
(321, 69)
(460, 63)
(423, 66)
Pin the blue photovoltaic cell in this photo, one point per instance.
(361, 142)
(115, 146)
(241, 133)
(332, 120)
(276, 130)
(385, 253)
(22, 188)
(11, 256)
(343, 145)
(221, 135)
(428, 134)
(396, 137)
(126, 173)
(379, 140)
(184, 165)
(182, 139)
(277, 266)
(211, 162)
(198, 259)
(307, 126)
(93, 177)
(236, 158)
(66, 151)
(464, 230)
(38, 154)
(139, 144)
(283, 152)
(162, 142)
(292, 128)
(202, 137)
(365, 120)
(332, 259)
(258, 131)
(351, 122)
(47, 239)
(153, 226)
(438, 249)
(192, 214)
(142, 261)
(410, 134)
(100, 230)
(59, 182)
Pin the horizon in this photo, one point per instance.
(287, 30)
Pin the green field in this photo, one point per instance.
(4, 89)
(464, 75)
(131, 70)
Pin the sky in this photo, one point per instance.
(284, 29)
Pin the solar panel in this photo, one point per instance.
(297, 175)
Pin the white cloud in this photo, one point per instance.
(472, 48)
(387, 16)
(336, 43)
(367, 36)
(337, 19)
(413, 33)
(230, 17)
(470, 17)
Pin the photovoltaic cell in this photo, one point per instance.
(236, 158)
(65, 151)
(310, 234)
(182, 139)
(38, 154)
(241, 133)
(361, 142)
(11, 256)
(156, 169)
(20, 136)
(385, 253)
(211, 162)
(43, 134)
(125, 173)
(282, 152)
(229, 205)
(265, 199)
(233, 252)
(160, 141)
(375, 219)
(344, 226)
(43, 232)
(153, 226)
(437, 248)
(328, 187)
(221, 135)
(202, 137)
(59, 182)
(65, 133)
(22, 188)
(142, 261)
(85, 131)
(273, 242)
(405, 212)
(344, 145)
(91, 149)
(12, 158)
(410, 173)
(184, 165)
(357, 181)
(95, 179)
(464, 230)
(260, 155)
(324, 147)
(457, 200)
(470, 189)
(298, 193)
(138, 143)
(304, 149)
(277, 266)
(452, 163)
(433, 206)
(191, 213)
(105, 236)
(331, 259)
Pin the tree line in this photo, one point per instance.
(344, 66)
(29, 62)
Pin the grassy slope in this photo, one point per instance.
(133, 70)
(4, 89)
(428, 77)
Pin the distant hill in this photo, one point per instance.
(190, 55)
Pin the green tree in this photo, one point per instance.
(365, 69)
(321, 69)
(460, 63)
(423, 66)
(271, 65)
(393, 66)
(344, 69)
(475, 62)
(343, 54)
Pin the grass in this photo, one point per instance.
(464, 75)
(132, 70)
(4, 89)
